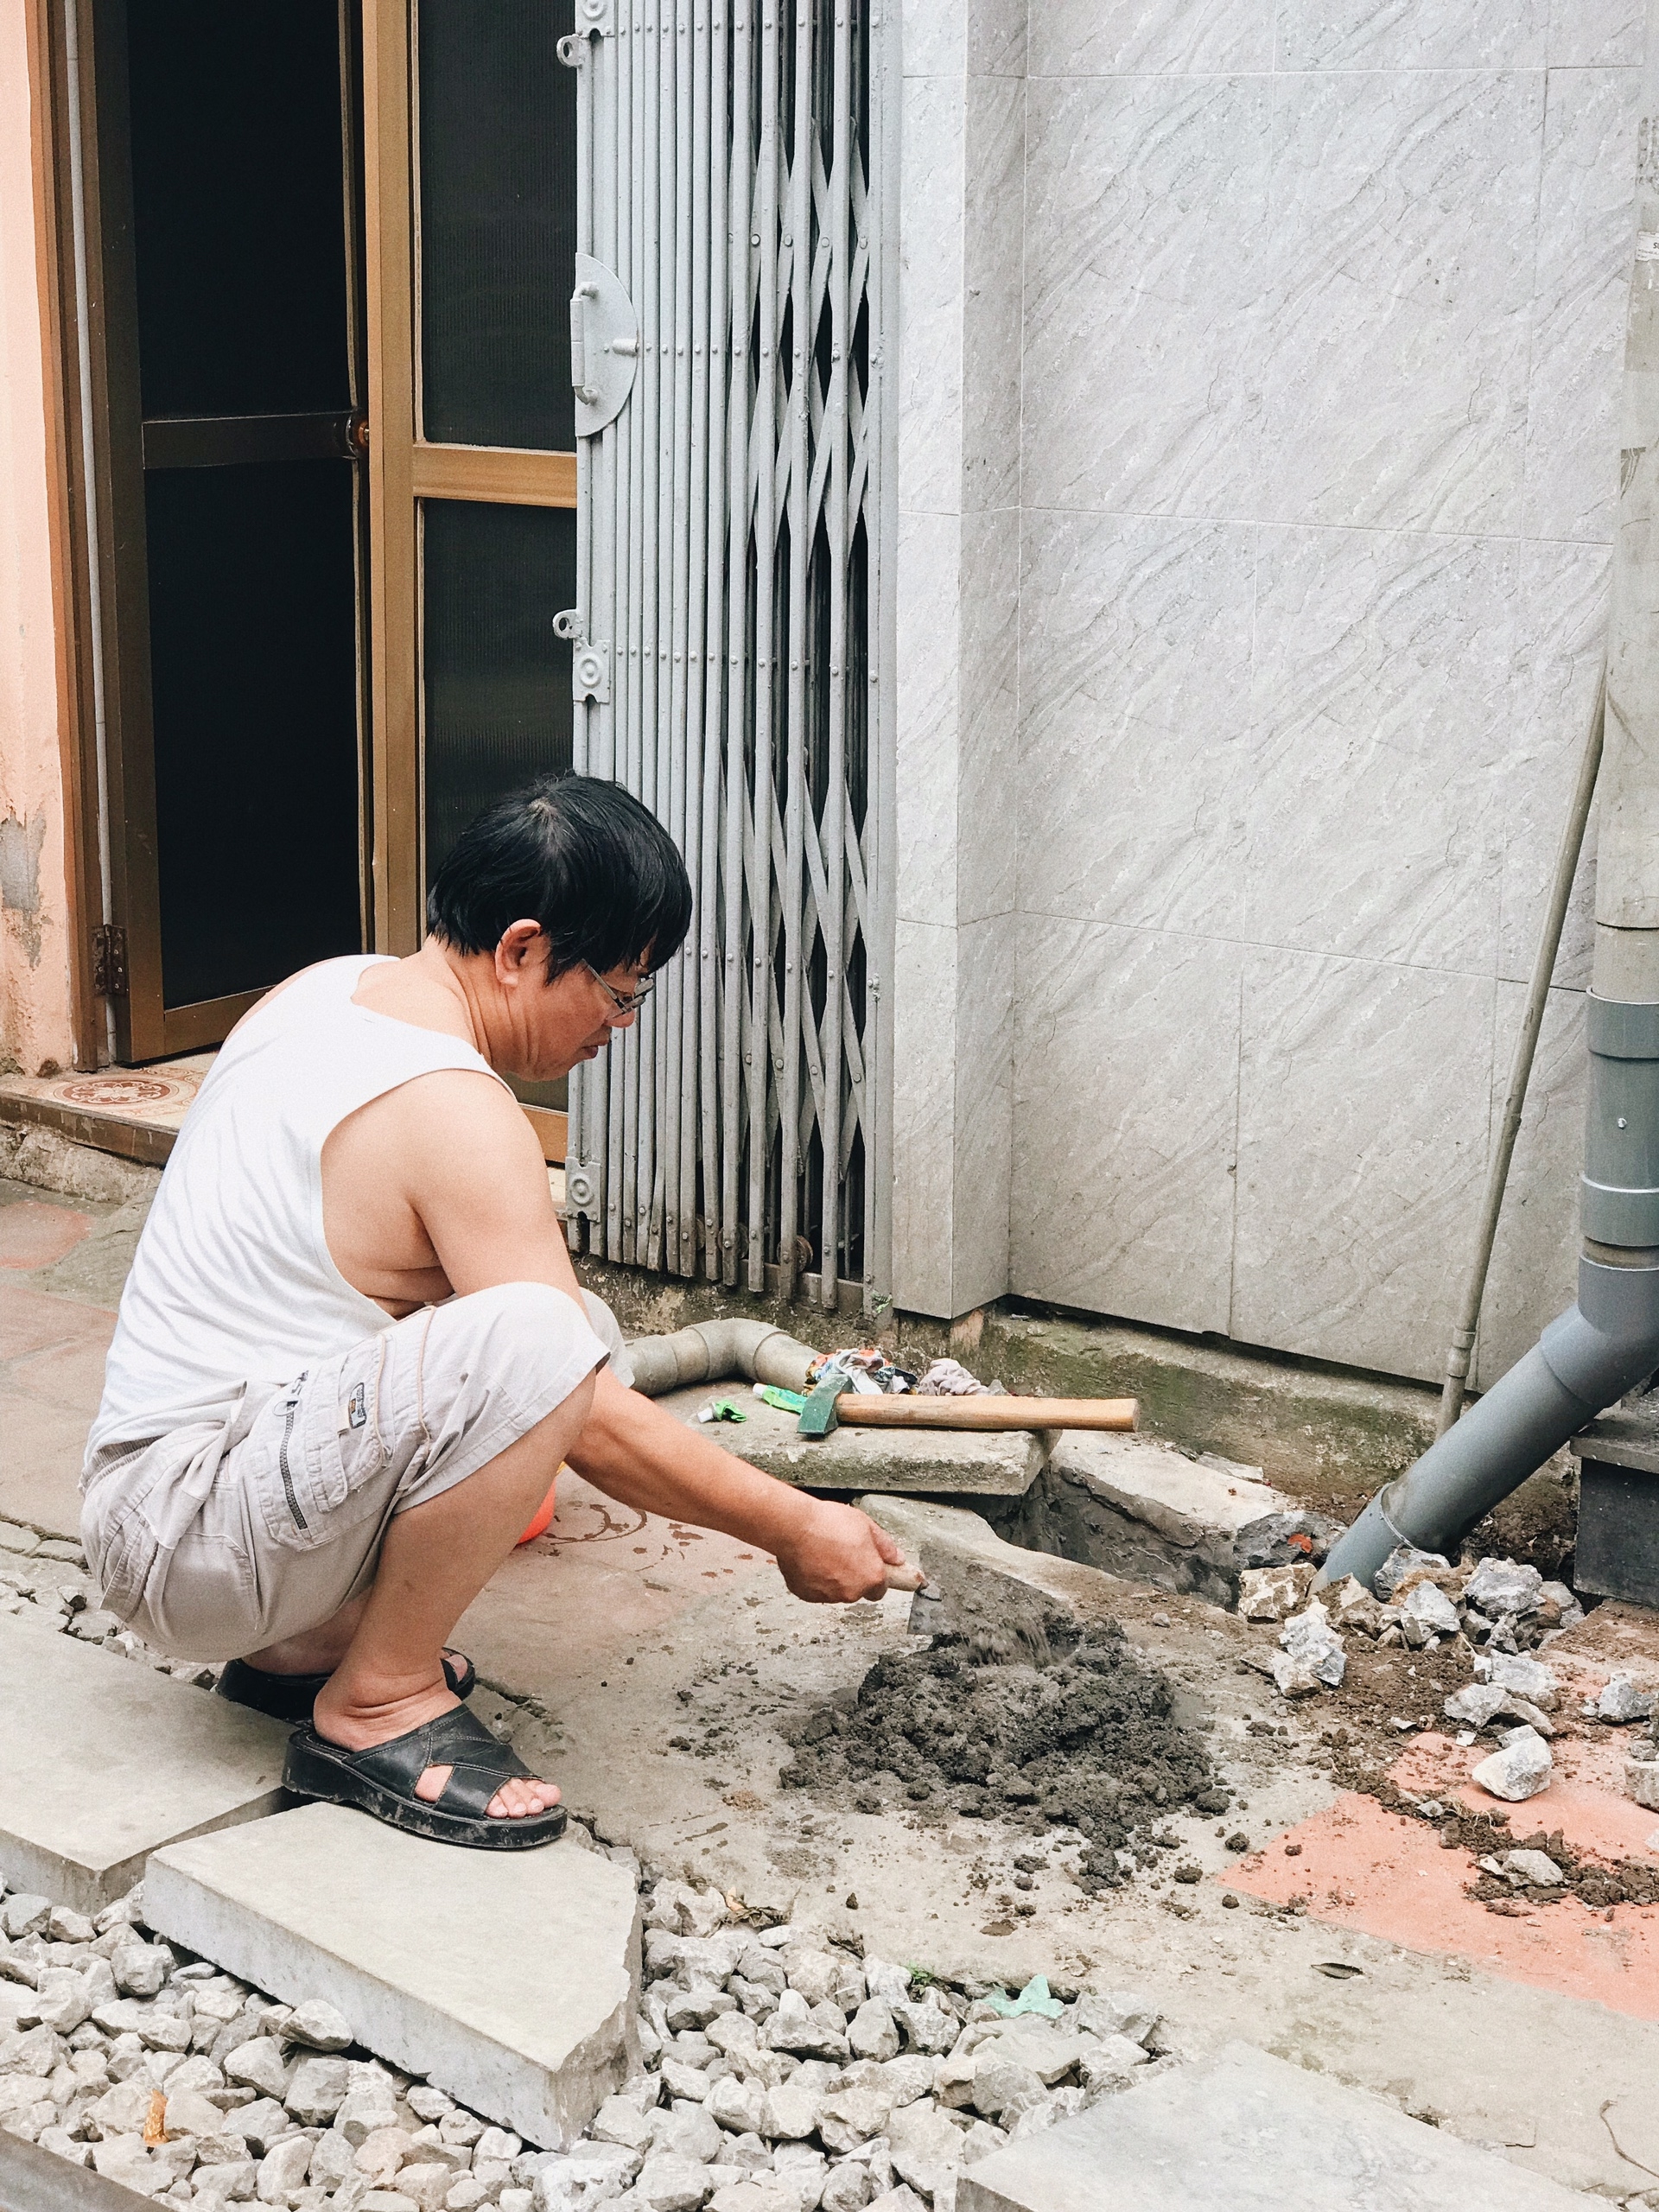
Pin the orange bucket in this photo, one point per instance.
(545, 1513)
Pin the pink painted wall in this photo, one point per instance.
(35, 1002)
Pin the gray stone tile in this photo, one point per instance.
(1134, 719)
(987, 706)
(1397, 389)
(169, 1761)
(1559, 637)
(507, 1978)
(930, 281)
(1104, 38)
(993, 250)
(1145, 272)
(924, 1114)
(984, 1112)
(929, 616)
(1596, 34)
(933, 37)
(1585, 233)
(1125, 1093)
(1245, 2132)
(1535, 1270)
(998, 37)
(1364, 1099)
(1381, 726)
(1411, 34)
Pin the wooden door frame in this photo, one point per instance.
(404, 469)
(114, 862)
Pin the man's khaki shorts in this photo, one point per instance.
(222, 1538)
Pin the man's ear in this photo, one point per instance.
(522, 950)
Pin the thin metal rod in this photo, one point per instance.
(832, 919)
(1526, 1045)
(757, 1040)
(741, 262)
(800, 546)
(717, 245)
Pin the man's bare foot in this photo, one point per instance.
(357, 1725)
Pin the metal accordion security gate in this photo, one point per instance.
(727, 335)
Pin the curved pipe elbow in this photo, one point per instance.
(1585, 1360)
(715, 1352)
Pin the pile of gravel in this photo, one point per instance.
(783, 2072)
(1083, 1733)
(43, 1579)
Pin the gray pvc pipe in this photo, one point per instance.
(713, 1352)
(1586, 1360)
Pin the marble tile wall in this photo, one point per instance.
(1323, 313)
(961, 246)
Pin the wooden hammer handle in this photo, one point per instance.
(862, 1410)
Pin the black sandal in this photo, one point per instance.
(290, 1697)
(382, 1781)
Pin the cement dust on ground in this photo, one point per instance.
(679, 1754)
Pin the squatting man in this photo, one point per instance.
(352, 1353)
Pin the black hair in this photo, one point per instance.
(584, 859)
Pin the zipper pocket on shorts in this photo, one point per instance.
(288, 1411)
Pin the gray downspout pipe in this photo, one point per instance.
(713, 1351)
(1608, 1341)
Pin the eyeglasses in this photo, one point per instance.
(624, 1001)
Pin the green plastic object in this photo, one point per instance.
(1034, 1998)
(727, 1409)
(786, 1401)
(819, 1414)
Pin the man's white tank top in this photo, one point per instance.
(232, 1284)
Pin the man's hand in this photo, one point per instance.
(838, 1554)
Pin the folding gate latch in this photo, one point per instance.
(604, 346)
(590, 660)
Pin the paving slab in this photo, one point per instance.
(980, 1580)
(1250, 2134)
(508, 1979)
(1140, 1508)
(851, 1459)
(103, 1761)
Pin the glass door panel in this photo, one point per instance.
(496, 223)
(496, 708)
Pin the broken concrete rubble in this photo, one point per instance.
(1310, 1641)
(1521, 1770)
(1273, 1593)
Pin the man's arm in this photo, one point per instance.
(473, 1174)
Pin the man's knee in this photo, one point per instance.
(526, 1339)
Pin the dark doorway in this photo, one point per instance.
(231, 207)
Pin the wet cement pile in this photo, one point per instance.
(1081, 1731)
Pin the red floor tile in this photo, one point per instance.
(1359, 1866)
(34, 1235)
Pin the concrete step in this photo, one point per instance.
(1245, 2132)
(103, 1761)
(509, 1979)
(931, 1459)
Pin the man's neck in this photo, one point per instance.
(439, 988)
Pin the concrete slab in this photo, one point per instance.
(1250, 2134)
(853, 1459)
(980, 1580)
(103, 1761)
(507, 1979)
(1144, 1510)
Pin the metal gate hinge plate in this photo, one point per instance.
(604, 346)
(110, 961)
